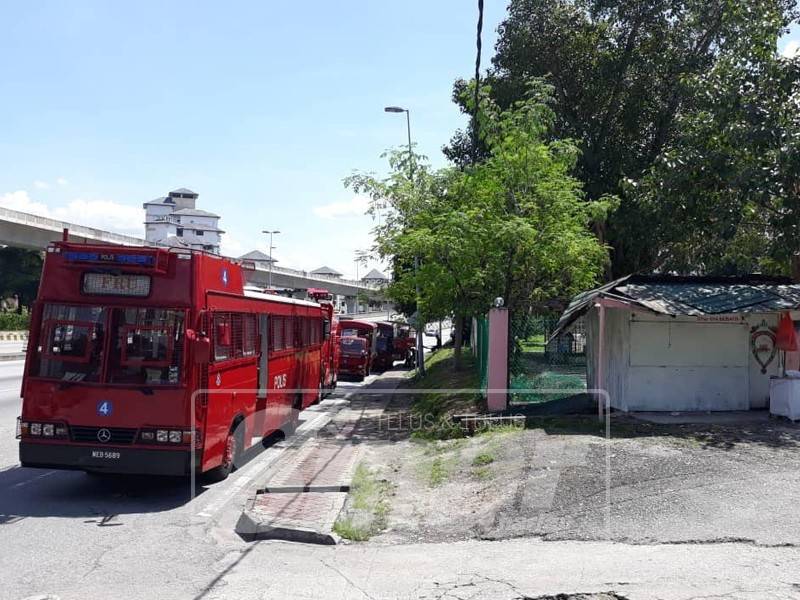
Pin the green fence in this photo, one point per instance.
(481, 349)
(546, 368)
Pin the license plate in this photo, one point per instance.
(105, 454)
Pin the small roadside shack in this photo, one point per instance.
(675, 343)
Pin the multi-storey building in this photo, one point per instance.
(174, 220)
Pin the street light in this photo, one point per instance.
(399, 109)
(360, 257)
(420, 324)
(271, 248)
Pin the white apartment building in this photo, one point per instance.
(174, 220)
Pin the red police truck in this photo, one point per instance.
(161, 361)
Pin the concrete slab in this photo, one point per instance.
(685, 418)
(298, 517)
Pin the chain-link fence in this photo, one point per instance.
(553, 368)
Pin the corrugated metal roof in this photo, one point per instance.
(184, 191)
(692, 296)
(257, 255)
(194, 212)
(375, 274)
(325, 271)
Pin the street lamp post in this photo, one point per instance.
(361, 257)
(270, 232)
(420, 324)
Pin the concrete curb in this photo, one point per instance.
(10, 357)
(251, 529)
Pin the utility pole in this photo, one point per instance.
(271, 248)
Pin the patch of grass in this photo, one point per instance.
(483, 459)
(367, 508)
(434, 408)
(550, 381)
(482, 472)
(438, 472)
(491, 431)
(347, 529)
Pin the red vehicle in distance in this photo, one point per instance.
(384, 346)
(330, 348)
(157, 361)
(355, 358)
(368, 331)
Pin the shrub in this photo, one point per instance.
(10, 321)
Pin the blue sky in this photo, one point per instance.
(260, 107)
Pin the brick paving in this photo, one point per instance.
(304, 510)
(304, 494)
(322, 463)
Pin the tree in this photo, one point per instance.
(514, 225)
(21, 271)
(728, 188)
(623, 72)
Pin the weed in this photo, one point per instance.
(482, 472)
(438, 472)
(482, 459)
(367, 506)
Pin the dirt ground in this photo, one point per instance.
(561, 479)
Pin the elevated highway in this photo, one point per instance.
(24, 230)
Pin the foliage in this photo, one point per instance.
(624, 74)
(10, 321)
(21, 271)
(367, 510)
(514, 226)
(727, 191)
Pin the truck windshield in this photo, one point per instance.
(146, 345)
(72, 342)
(352, 346)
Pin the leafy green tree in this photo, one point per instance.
(623, 72)
(514, 225)
(727, 190)
(20, 271)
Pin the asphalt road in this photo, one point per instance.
(71, 535)
(65, 535)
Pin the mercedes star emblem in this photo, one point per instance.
(104, 435)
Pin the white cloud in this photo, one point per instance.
(230, 246)
(102, 214)
(356, 206)
(62, 181)
(41, 185)
(791, 48)
(21, 201)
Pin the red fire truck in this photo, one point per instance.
(156, 361)
(366, 330)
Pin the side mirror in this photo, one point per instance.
(200, 347)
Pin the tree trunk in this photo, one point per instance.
(458, 341)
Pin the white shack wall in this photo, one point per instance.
(660, 363)
(616, 353)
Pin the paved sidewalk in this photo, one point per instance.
(517, 569)
(304, 494)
